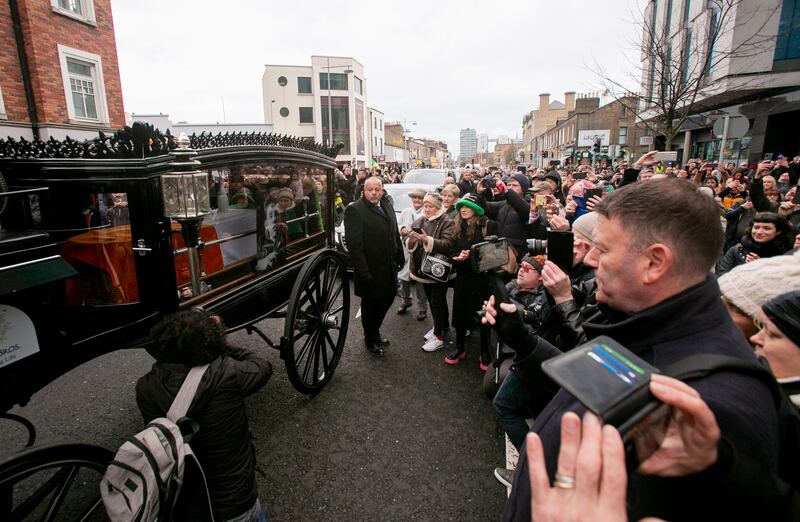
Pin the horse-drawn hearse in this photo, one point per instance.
(101, 239)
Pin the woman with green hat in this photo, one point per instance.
(471, 288)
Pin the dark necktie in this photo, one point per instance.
(380, 210)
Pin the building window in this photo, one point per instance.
(3, 115)
(713, 34)
(340, 116)
(84, 88)
(622, 111)
(82, 10)
(381, 124)
(374, 122)
(338, 81)
(306, 114)
(304, 84)
(787, 45)
(623, 135)
(358, 84)
(282, 81)
(284, 112)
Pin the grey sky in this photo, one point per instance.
(445, 64)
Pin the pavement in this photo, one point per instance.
(404, 437)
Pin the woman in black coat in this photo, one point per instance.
(769, 235)
(471, 288)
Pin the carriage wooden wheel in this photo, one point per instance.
(316, 322)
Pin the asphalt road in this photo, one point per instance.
(405, 437)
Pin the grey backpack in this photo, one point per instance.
(143, 481)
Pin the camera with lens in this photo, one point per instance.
(489, 183)
(558, 247)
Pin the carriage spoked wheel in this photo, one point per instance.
(316, 322)
(54, 482)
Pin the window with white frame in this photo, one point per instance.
(82, 10)
(623, 135)
(84, 89)
(3, 115)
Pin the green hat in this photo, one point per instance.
(472, 201)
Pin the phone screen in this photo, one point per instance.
(559, 249)
(591, 192)
(489, 255)
(418, 230)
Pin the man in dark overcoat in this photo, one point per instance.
(373, 240)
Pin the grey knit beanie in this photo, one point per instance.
(750, 285)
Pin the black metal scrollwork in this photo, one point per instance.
(142, 140)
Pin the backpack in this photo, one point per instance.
(143, 481)
(697, 366)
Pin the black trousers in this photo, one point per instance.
(437, 298)
(373, 311)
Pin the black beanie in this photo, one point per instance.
(784, 311)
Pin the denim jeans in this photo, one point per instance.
(518, 399)
(405, 293)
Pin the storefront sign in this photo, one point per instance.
(587, 138)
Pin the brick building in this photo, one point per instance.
(59, 74)
(573, 138)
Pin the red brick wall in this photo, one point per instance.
(10, 72)
(44, 30)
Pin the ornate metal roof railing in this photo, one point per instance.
(142, 140)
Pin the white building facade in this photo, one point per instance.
(301, 100)
(482, 143)
(376, 135)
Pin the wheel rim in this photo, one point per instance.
(51, 483)
(316, 323)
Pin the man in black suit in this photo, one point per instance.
(373, 240)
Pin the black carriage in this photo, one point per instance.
(102, 239)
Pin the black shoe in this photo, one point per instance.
(422, 315)
(375, 350)
(382, 342)
(403, 308)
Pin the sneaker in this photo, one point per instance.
(485, 363)
(504, 476)
(403, 308)
(422, 315)
(433, 345)
(455, 356)
(429, 335)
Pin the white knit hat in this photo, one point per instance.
(750, 285)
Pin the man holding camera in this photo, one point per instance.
(661, 302)
(509, 209)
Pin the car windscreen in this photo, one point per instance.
(428, 177)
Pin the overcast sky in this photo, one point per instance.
(445, 64)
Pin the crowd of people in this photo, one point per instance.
(668, 261)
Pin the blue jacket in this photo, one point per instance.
(692, 322)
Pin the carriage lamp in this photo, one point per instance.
(185, 193)
(185, 190)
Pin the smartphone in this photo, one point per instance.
(796, 198)
(541, 201)
(489, 255)
(559, 249)
(669, 155)
(614, 384)
(768, 156)
(591, 192)
(418, 230)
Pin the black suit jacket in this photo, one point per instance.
(374, 244)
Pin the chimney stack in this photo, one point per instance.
(569, 100)
(544, 101)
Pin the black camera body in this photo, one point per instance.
(489, 183)
(558, 246)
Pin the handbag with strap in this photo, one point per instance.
(436, 266)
